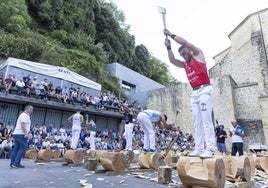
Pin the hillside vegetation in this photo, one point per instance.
(81, 35)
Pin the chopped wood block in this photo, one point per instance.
(164, 174)
(91, 164)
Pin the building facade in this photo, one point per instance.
(133, 84)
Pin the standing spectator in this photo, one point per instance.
(220, 137)
(146, 118)
(202, 94)
(8, 83)
(237, 133)
(21, 136)
(76, 119)
(27, 84)
(128, 126)
(93, 129)
(97, 101)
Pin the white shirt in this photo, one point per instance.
(235, 137)
(23, 118)
(76, 119)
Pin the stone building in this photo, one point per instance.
(240, 81)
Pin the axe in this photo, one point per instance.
(161, 159)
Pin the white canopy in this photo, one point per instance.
(50, 70)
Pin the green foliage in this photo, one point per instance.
(82, 35)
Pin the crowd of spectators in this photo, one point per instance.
(44, 89)
(50, 137)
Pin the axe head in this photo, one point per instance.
(162, 10)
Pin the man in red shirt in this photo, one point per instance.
(202, 94)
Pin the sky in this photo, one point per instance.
(204, 23)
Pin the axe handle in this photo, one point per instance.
(164, 20)
(171, 144)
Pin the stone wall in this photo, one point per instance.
(240, 82)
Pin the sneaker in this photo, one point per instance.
(18, 166)
(152, 150)
(146, 150)
(207, 154)
(12, 166)
(195, 153)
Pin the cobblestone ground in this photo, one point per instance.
(58, 174)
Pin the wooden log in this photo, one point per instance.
(31, 154)
(164, 175)
(74, 156)
(44, 155)
(144, 160)
(168, 159)
(237, 166)
(262, 163)
(91, 163)
(55, 154)
(114, 161)
(129, 155)
(195, 171)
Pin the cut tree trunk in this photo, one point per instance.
(55, 154)
(194, 171)
(31, 154)
(237, 167)
(44, 154)
(114, 161)
(74, 156)
(156, 160)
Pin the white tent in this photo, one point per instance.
(51, 71)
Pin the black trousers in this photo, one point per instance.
(237, 147)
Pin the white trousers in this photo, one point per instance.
(92, 140)
(201, 108)
(75, 136)
(129, 135)
(148, 129)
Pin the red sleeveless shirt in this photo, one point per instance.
(196, 73)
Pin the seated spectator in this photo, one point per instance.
(65, 94)
(62, 130)
(20, 86)
(8, 83)
(44, 89)
(14, 80)
(83, 99)
(36, 86)
(74, 96)
(2, 79)
(6, 145)
(58, 90)
(38, 144)
(54, 130)
(61, 147)
(46, 143)
(58, 137)
(97, 101)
